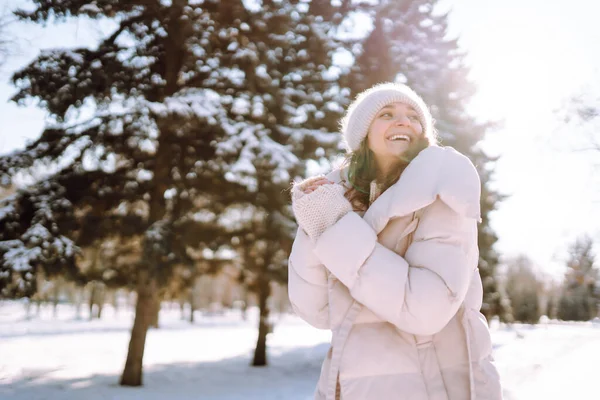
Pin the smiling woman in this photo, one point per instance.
(386, 257)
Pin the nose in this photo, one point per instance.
(402, 120)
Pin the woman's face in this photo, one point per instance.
(395, 128)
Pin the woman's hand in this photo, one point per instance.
(315, 185)
(318, 203)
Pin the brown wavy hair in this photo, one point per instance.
(362, 170)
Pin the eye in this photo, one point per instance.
(385, 115)
(413, 118)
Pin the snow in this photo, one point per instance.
(237, 216)
(256, 145)
(21, 257)
(90, 8)
(209, 360)
(235, 75)
(245, 54)
(144, 175)
(244, 166)
(54, 55)
(37, 234)
(332, 73)
(261, 72)
(252, 5)
(240, 106)
(550, 362)
(204, 216)
(298, 134)
(18, 256)
(7, 207)
(68, 358)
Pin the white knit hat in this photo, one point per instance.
(355, 124)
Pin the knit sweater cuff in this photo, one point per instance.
(318, 210)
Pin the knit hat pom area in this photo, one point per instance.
(361, 113)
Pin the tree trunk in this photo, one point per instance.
(55, 295)
(78, 302)
(132, 374)
(92, 299)
(245, 300)
(146, 309)
(156, 301)
(182, 308)
(115, 301)
(260, 354)
(28, 309)
(101, 299)
(192, 308)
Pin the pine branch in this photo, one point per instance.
(63, 9)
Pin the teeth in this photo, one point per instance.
(400, 137)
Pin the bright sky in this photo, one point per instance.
(527, 57)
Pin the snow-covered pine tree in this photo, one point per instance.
(409, 44)
(183, 99)
(288, 106)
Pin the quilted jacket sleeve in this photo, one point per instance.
(418, 293)
(307, 283)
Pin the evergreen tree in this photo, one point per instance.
(581, 297)
(409, 44)
(187, 100)
(303, 101)
(523, 288)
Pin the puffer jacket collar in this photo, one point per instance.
(435, 172)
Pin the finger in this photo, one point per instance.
(315, 186)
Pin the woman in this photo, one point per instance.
(386, 257)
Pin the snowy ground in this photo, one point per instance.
(64, 358)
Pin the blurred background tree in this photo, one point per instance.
(581, 289)
(525, 290)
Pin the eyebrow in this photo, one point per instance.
(391, 107)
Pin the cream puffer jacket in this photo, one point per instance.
(400, 289)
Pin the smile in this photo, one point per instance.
(400, 137)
